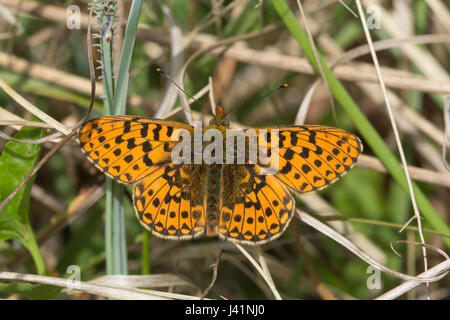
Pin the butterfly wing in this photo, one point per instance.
(256, 207)
(310, 157)
(170, 201)
(126, 148)
(253, 208)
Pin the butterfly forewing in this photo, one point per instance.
(312, 157)
(128, 148)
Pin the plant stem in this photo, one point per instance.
(29, 241)
(145, 252)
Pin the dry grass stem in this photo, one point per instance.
(95, 289)
(441, 11)
(51, 202)
(24, 123)
(215, 267)
(142, 281)
(389, 44)
(329, 232)
(410, 285)
(324, 209)
(395, 130)
(306, 103)
(177, 58)
(266, 276)
(357, 73)
(61, 78)
(316, 57)
(32, 109)
(446, 132)
(420, 174)
(423, 59)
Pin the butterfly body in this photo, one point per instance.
(235, 201)
(214, 173)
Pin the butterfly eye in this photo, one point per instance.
(211, 122)
(225, 123)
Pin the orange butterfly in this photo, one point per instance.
(233, 201)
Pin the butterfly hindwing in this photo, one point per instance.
(126, 148)
(253, 208)
(170, 202)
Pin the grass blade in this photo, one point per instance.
(120, 95)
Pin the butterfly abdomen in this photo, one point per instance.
(212, 203)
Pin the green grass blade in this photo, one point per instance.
(108, 80)
(120, 95)
(115, 103)
(115, 238)
(145, 252)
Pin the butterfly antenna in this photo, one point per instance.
(168, 77)
(283, 86)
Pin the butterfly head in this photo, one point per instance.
(218, 121)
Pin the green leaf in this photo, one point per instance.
(30, 290)
(7, 229)
(16, 161)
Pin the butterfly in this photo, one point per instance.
(234, 201)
